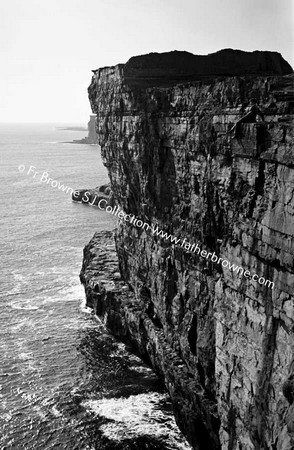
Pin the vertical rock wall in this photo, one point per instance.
(210, 161)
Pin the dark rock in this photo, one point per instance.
(288, 389)
(158, 69)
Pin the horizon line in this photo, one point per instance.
(28, 123)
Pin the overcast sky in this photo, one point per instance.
(48, 48)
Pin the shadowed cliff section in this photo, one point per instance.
(163, 69)
(209, 160)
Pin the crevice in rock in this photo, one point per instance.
(261, 135)
(232, 428)
(150, 311)
(192, 335)
(258, 188)
(261, 400)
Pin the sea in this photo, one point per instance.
(65, 382)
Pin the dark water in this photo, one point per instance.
(65, 383)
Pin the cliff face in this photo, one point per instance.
(92, 137)
(210, 160)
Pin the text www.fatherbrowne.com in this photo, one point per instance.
(182, 242)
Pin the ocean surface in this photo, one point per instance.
(65, 383)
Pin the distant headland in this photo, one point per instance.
(92, 137)
(78, 128)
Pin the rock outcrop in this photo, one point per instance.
(166, 69)
(92, 137)
(207, 158)
(93, 196)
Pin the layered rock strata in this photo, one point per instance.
(209, 160)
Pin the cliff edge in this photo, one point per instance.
(202, 149)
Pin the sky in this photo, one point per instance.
(48, 48)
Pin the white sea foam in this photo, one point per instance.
(135, 416)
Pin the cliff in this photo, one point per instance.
(92, 137)
(208, 158)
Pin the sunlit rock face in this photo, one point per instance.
(207, 157)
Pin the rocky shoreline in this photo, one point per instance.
(137, 412)
(116, 305)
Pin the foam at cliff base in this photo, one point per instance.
(135, 416)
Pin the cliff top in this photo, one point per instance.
(160, 69)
